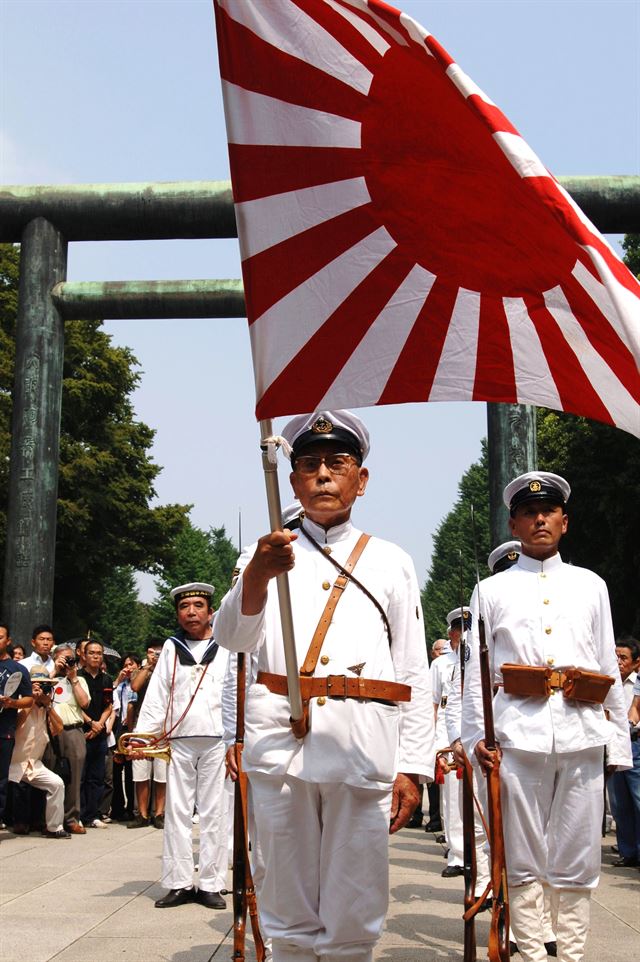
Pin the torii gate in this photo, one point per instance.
(44, 219)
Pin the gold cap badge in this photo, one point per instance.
(322, 426)
(534, 486)
(512, 555)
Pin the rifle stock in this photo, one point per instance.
(498, 949)
(244, 894)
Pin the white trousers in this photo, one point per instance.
(325, 889)
(47, 781)
(195, 776)
(483, 874)
(552, 807)
(451, 801)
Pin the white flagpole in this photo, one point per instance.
(284, 596)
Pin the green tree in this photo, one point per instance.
(631, 247)
(198, 555)
(453, 550)
(107, 475)
(122, 621)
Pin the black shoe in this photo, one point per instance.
(452, 871)
(552, 948)
(158, 821)
(141, 822)
(441, 839)
(625, 862)
(59, 834)
(19, 829)
(433, 825)
(175, 897)
(211, 900)
(513, 948)
(415, 822)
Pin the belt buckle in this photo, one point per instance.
(337, 686)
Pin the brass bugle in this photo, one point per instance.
(144, 743)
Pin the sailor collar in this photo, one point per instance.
(333, 536)
(185, 657)
(539, 567)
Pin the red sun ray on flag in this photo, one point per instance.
(400, 241)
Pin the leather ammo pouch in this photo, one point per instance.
(526, 681)
(589, 686)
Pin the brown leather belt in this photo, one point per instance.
(338, 686)
(537, 681)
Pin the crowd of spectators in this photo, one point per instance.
(61, 715)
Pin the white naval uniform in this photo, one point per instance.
(549, 613)
(442, 672)
(195, 775)
(322, 803)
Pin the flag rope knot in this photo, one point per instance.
(271, 446)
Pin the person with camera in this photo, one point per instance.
(70, 697)
(32, 737)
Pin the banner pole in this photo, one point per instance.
(270, 469)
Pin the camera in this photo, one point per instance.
(47, 686)
(70, 661)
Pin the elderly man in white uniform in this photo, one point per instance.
(183, 704)
(325, 803)
(543, 619)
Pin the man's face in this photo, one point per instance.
(454, 637)
(4, 641)
(93, 656)
(152, 655)
(43, 643)
(625, 661)
(539, 525)
(194, 615)
(437, 647)
(328, 498)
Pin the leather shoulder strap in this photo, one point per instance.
(341, 582)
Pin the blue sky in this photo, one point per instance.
(120, 91)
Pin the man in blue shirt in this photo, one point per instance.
(9, 707)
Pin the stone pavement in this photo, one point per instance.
(90, 899)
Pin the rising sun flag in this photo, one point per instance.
(400, 241)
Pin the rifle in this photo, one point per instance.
(498, 948)
(244, 893)
(468, 820)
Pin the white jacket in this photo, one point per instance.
(359, 743)
(546, 614)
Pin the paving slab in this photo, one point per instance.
(90, 899)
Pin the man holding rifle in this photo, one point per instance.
(552, 652)
(325, 802)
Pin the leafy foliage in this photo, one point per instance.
(453, 550)
(631, 247)
(198, 555)
(122, 621)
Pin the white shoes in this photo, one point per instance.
(98, 823)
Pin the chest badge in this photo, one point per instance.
(357, 669)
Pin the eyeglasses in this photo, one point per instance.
(337, 464)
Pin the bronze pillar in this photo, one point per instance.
(35, 434)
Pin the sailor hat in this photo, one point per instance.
(343, 426)
(291, 515)
(196, 589)
(536, 486)
(505, 555)
(454, 618)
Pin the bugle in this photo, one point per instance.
(144, 744)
